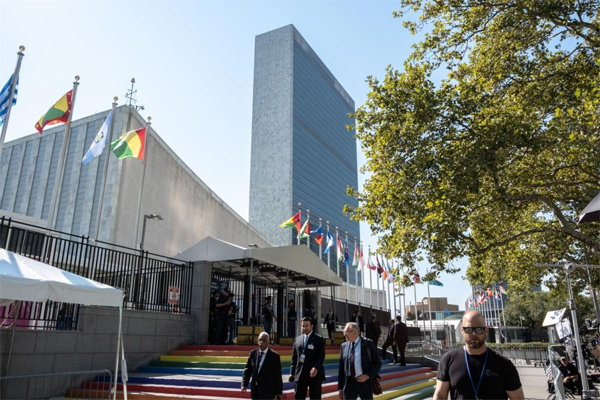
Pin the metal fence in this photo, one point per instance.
(96, 384)
(147, 278)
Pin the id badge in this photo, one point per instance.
(301, 360)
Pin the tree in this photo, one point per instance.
(534, 306)
(494, 162)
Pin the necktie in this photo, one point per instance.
(352, 367)
(305, 340)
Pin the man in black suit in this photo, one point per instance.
(400, 339)
(359, 363)
(358, 320)
(373, 329)
(389, 341)
(330, 321)
(306, 369)
(264, 367)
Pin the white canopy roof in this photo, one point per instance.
(24, 279)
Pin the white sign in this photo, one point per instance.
(173, 295)
(563, 328)
(554, 317)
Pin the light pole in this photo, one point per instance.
(154, 217)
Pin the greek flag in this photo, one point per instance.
(99, 141)
(5, 96)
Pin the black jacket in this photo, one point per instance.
(332, 320)
(314, 357)
(373, 330)
(267, 383)
(361, 323)
(400, 333)
(370, 366)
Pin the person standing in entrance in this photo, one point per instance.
(212, 319)
(222, 310)
(264, 367)
(268, 315)
(359, 363)
(400, 340)
(476, 371)
(308, 355)
(292, 316)
(330, 321)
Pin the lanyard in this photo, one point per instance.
(476, 390)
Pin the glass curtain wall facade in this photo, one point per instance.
(323, 152)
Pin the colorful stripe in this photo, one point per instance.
(59, 112)
(130, 144)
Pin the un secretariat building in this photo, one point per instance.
(190, 209)
(301, 149)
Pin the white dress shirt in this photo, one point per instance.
(262, 358)
(357, 356)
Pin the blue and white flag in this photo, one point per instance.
(5, 97)
(329, 243)
(99, 141)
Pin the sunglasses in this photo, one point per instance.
(478, 329)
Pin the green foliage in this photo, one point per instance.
(534, 306)
(496, 161)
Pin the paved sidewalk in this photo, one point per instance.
(534, 382)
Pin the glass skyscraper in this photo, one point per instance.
(301, 149)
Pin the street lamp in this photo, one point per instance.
(154, 217)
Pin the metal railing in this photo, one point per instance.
(147, 278)
(96, 384)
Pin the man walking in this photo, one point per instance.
(373, 329)
(306, 369)
(330, 320)
(400, 340)
(476, 371)
(263, 371)
(359, 364)
(267, 315)
(388, 341)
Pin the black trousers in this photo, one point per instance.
(330, 329)
(291, 328)
(314, 384)
(402, 350)
(385, 346)
(222, 323)
(355, 389)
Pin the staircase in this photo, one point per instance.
(215, 372)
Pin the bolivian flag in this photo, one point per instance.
(59, 112)
(130, 144)
(292, 222)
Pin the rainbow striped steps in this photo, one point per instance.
(202, 379)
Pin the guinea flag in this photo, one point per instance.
(130, 144)
(59, 112)
(293, 222)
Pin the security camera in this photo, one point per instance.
(569, 267)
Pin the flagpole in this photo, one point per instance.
(329, 252)
(430, 319)
(356, 269)
(308, 226)
(104, 175)
(370, 281)
(362, 272)
(321, 244)
(377, 277)
(141, 190)
(416, 311)
(502, 303)
(13, 84)
(62, 161)
(300, 211)
(347, 270)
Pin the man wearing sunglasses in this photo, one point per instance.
(476, 371)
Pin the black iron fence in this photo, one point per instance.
(151, 282)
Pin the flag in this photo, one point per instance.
(417, 278)
(355, 260)
(5, 97)
(340, 250)
(448, 313)
(346, 255)
(294, 221)
(329, 243)
(502, 290)
(489, 293)
(99, 142)
(370, 265)
(385, 275)
(362, 260)
(318, 235)
(305, 231)
(499, 295)
(379, 269)
(470, 302)
(435, 282)
(130, 144)
(59, 112)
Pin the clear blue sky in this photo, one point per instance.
(193, 63)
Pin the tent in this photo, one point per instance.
(25, 279)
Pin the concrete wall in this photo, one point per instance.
(147, 336)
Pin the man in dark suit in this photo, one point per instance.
(359, 363)
(389, 341)
(400, 339)
(359, 321)
(330, 321)
(264, 367)
(306, 369)
(373, 329)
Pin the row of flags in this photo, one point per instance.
(485, 295)
(384, 268)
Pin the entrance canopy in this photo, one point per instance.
(298, 263)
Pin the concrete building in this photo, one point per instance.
(190, 210)
(301, 149)
(438, 305)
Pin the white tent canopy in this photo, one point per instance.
(24, 279)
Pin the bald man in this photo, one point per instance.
(476, 371)
(263, 371)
